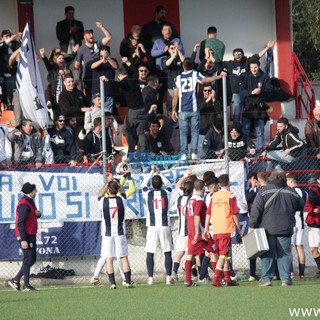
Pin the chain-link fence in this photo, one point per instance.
(69, 235)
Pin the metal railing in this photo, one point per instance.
(302, 90)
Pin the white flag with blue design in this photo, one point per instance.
(29, 84)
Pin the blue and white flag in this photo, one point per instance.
(29, 84)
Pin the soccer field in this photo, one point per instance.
(160, 301)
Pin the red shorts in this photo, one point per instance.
(222, 244)
(195, 249)
(209, 245)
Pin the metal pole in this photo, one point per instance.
(225, 123)
(103, 124)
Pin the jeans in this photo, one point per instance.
(280, 247)
(189, 120)
(279, 156)
(237, 106)
(259, 127)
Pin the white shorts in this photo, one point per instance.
(114, 247)
(297, 237)
(314, 237)
(154, 234)
(181, 243)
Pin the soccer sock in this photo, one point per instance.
(227, 276)
(317, 260)
(214, 265)
(150, 264)
(187, 267)
(217, 277)
(127, 276)
(204, 267)
(168, 262)
(301, 269)
(176, 266)
(100, 264)
(111, 278)
(253, 266)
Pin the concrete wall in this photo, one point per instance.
(248, 23)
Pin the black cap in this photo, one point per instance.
(28, 188)
(237, 127)
(96, 95)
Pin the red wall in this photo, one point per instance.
(284, 46)
(143, 11)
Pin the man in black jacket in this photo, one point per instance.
(274, 210)
(62, 143)
(292, 145)
(69, 31)
(254, 88)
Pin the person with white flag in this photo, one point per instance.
(29, 84)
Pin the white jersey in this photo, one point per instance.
(299, 214)
(113, 216)
(157, 206)
(182, 209)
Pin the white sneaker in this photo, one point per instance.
(251, 278)
(204, 281)
(194, 156)
(150, 281)
(184, 157)
(95, 281)
(176, 278)
(170, 280)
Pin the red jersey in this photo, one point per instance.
(196, 207)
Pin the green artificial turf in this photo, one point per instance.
(160, 301)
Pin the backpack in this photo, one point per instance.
(312, 217)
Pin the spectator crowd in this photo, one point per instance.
(156, 84)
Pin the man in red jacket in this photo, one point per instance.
(26, 231)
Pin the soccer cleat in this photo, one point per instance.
(216, 283)
(130, 285)
(204, 281)
(95, 281)
(150, 281)
(190, 284)
(194, 278)
(231, 283)
(28, 288)
(286, 283)
(251, 279)
(113, 286)
(176, 278)
(265, 283)
(15, 285)
(170, 280)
